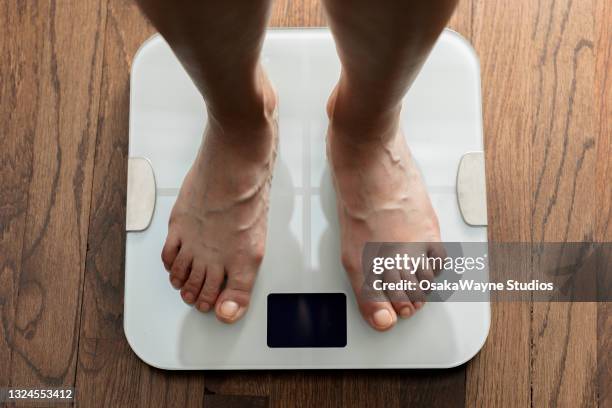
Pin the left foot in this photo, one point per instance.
(381, 197)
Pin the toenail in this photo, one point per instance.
(229, 308)
(418, 304)
(204, 307)
(382, 318)
(188, 297)
(175, 283)
(406, 312)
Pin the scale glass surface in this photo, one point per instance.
(442, 121)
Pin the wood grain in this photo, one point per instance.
(602, 102)
(19, 91)
(563, 335)
(498, 375)
(434, 388)
(108, 371)
(297, 13)
(64, 66)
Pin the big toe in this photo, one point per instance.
(382, 317)
(377, 310)
(234, 300)
(374, 305)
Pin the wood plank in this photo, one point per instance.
(234, 401)
(297, 13)
(377, 388)
(310, 388)
(246, 383)
(603, 102)
(604, 346)
(563, 335)
(434, 388)
(602, 90)
(67, 65)
(108, 370)
(497, 375)
(462, 20)
(21, 43)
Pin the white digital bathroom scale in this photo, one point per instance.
(443, 124)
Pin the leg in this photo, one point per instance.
(217, 228)
(381, 196)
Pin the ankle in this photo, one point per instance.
(253, 108)
(360, 119)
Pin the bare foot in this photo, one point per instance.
(217, 228)
(381, 197)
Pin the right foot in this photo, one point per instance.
(381, 197)
(217, 228)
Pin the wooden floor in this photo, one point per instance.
(64, 83)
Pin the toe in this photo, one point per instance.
(180, 268)
(415, 296)
(380, 315)
(210, 289)
(170, 250)
(420, 297)
(426, 274)
(193, 286)
(399, 299)
(234, 301)
(373, 304)
(418, 305)
(403, 308)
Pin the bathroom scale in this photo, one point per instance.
(303, 313)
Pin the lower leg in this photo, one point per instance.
(219, 44)
(382, 46)
(217, 228)
(381, 195)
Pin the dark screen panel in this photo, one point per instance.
(306, 320)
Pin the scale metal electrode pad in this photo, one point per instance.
(303, 312)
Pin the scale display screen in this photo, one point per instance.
(306, 320)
